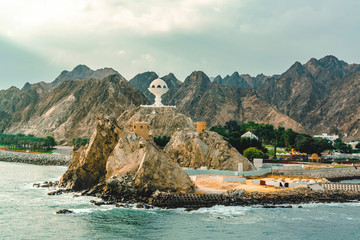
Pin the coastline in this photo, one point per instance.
(233, 198)
(35, 158)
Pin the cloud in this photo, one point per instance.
(217, 36)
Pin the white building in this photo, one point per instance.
(332, 138)
(158, 87)
(249, 135)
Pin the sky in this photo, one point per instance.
(41, 38)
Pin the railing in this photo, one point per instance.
(228, 173)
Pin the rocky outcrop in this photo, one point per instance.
(162, 121)
(196, 149)
(88, 166)
(119, 163)
(151, 169)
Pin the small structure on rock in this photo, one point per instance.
(141, 129)
(201, 126)
(158, 87)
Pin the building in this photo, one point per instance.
(249, 135)
(158, 87)
(141, 129)
(332, 138)
(201, 126)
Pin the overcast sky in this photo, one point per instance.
(40, 38)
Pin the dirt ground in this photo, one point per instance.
(215, 184)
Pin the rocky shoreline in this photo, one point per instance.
(195, 201)
(36, 159)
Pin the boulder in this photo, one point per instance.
(147, 166)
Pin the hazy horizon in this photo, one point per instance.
(39, 39)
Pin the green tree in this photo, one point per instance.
(161, 141)
(52, 141)
(358, 145)
(253, 152)
(340, 145)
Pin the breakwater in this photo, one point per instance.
(234, 198)
(36, 159)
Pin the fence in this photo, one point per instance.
(229, 173)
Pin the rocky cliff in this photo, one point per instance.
(122, 164)
(196, 149)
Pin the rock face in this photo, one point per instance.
(127, 164)
(150, 167)
(88, 166)
(195, 149)
(203, 100)
(163, 121)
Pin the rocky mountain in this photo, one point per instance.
(83, 72)
(217, 104)
(306, 93)
(315, 97)
(14, 104)
(142, 82)
(39, 87)
(244, 80)
(70, 109)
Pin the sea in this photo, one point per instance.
(27, 212)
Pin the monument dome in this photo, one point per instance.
(158, 87)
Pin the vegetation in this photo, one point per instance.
(340, 145)
(27, 142)
(78, 142)
(253, 152)
(161, 141)
(358, 145)
(268, 134)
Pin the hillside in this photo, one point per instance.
(216, 104)
(318, 95)
(70, 110)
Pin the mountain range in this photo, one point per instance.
(318, 96)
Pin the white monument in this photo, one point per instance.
(158, 87)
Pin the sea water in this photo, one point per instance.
(27, 212)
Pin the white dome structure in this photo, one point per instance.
(158, 87)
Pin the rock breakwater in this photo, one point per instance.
(234, 198)
(36, 159)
